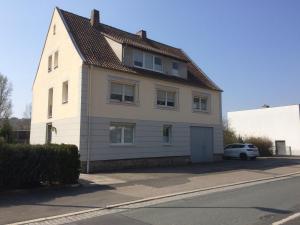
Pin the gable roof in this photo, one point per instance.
(94, 49)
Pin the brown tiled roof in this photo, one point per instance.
(95, 50)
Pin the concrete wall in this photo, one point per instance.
(69, 69)
(278, 123)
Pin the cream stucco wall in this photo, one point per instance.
(69, 69)
(277, 123)
(146, 109)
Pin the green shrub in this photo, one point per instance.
(263, 144)
(31, 165)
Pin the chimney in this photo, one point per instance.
(142, 34)
(95, 18)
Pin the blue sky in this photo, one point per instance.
(251, 49)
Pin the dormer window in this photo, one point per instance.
(157, 64)
(138, 58)
(175, 68)
(147, 61)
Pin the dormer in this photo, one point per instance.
(136, 55)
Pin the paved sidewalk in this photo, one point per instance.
(99, 190)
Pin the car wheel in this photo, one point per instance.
(253, 158)
(243, 156)
(226, 157)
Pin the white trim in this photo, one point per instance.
(167, 89)
(202, 95)
(122, 125)
(123, 81)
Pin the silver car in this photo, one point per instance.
(242, 151)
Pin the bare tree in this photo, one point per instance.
(27, 112)
(5, 97)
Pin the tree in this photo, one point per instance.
(5, 97)
(230, 136)
(27, 112)
(6, 131)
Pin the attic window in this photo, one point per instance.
(175, 68)
(54, 29)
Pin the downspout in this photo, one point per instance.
(88, 117)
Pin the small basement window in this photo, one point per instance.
(65, 92)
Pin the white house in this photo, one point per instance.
(280, 124)
(122, 98)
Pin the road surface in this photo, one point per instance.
(259, 204)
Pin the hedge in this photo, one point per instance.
(33, 165)
(263, 144)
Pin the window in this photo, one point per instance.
(56, 60)
(147, 61)
(121, 133)
(200, 103)
(50, 102)
(166, 98)
(175, 68)
(65, 90)
(157, 64)
(50, 63)
(138, 58)
(48, 133)
(122, 92)
(54, 29)
(167, 134)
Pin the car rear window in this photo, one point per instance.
(251, 146)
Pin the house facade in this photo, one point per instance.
(280, 124)
(122, 98)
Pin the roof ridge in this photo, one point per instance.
(167, 45)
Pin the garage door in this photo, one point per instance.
(201, 144)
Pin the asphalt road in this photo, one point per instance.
(259, 204)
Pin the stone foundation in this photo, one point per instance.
(109, 165)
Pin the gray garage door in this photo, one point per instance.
(201, 144)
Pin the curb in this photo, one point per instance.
(44, 219)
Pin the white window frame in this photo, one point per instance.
(50, 63)
(201, 96)
(122, 125)
(144, 61)
(65, 101)
(167, 89)
(174, 71)
(50, 102)
(170, 134)
(123, 81)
